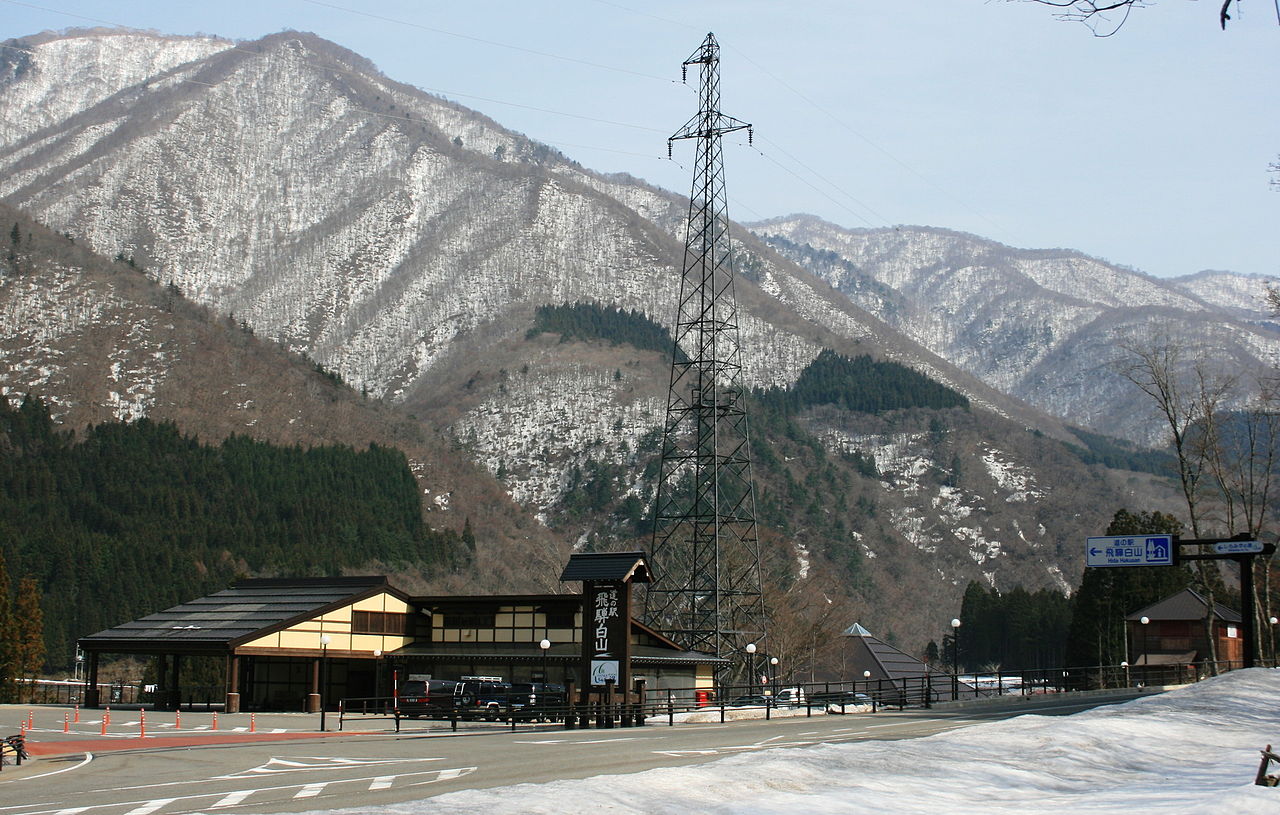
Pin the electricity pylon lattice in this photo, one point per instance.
(706, 552)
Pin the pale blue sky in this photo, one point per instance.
(1149, 149)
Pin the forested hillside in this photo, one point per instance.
(126, 519)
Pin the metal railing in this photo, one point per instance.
(669, 705)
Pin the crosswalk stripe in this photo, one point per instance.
(150, 806)
(72, 811)
(309, 791)
(233, 798)
(445, 775)
(381, 782)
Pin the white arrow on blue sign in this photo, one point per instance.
(1129, 550)
(1237, 547)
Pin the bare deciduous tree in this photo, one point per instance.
(1189, 395)
(1105, 17)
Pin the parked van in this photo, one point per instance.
(483, 698)
(789, 697)
(427, 697)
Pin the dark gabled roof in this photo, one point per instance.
(1185, 605)
(590, 566)
(249, 609)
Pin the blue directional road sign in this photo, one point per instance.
(1129, 550)
(1237, 547)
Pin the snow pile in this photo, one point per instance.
(1191, 750)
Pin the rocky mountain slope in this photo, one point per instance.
(405, 244)
(1046, 325)
(99, 342)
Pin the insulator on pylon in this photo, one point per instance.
(668, 148)
(684, 73)
(750, 134)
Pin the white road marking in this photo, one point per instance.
(446, 775)
(87, 758)
(72, 811)
(381, 782)
(304, 791)
(232, 798)
(303, 764)
(150, 806)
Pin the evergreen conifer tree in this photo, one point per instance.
(28, 630)
(8, 666)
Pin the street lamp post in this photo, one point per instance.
(773, 669)
(955, 658)
(377, 675)
(1125, 665)
(1143, 660)
(545, 645)
(1273, 621)
(751, 667)
(324, 674)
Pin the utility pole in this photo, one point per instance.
(707, 591)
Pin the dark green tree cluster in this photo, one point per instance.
(132, 518)
(591, 321)
(1105, 596)
(862, 385)
(1120, 454)
(1014, 630)
(21, 634)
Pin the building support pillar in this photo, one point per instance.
(313, 698)
(233, 684)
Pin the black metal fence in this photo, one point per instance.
(668, 705)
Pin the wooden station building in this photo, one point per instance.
(289, 643)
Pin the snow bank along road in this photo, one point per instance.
(668, 769)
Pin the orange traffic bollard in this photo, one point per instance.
(104, 725)
(142, 724)
(77, 718)
(66, 723)
(30, 721)
(177, 720)
(253, 723)
(215, 721)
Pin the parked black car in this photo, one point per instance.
(537, 700)
(427, 697)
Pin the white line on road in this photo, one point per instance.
(232, 798)
(381, 782)
(151, 806)
(311, 790)
(87, 758)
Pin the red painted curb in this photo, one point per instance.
(57, 748)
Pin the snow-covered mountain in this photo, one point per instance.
(1046, 326)
(405, 243)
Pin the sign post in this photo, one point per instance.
(1166, 550)
(1130, 550)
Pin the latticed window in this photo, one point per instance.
(378, 622)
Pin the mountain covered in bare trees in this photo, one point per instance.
(476, 298)
(1047, 326)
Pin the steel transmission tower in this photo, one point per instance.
(705, 549)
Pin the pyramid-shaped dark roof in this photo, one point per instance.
(867, 652)
(249, 608)
(1185, 605)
